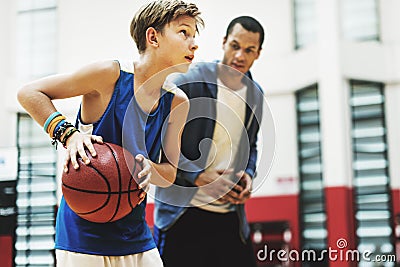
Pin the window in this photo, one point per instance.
(360, 20)
(304, 22)
(36, 196)
(36, 183)
(36, 38)
(370, 168)
(312, 199)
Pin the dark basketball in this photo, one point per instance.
(105, 190)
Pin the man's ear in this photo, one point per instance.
(223, 42)
(258, 53)
(151, 37)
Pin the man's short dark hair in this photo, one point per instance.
(250, 24)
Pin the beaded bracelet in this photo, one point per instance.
(68, 135)
(58, 126)
(61, 130)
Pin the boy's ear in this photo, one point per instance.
(151, 37)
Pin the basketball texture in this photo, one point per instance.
(105, 190)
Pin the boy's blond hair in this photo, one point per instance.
(157, 14)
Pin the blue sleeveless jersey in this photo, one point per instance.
(126, 124)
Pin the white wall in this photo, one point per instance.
(282, 177)
(97, 30)
(392, 96)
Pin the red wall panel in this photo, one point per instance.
(340, 222)
(396, 201)
(6, 251)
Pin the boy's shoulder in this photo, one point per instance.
(126, 65)
(179, 95)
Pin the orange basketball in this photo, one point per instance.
(106, 189)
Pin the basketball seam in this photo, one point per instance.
(119, 180)
(108, 194)
(98, 192)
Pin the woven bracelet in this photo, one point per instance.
(68, 135)
(61, 130)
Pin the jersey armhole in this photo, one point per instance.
(126, 66)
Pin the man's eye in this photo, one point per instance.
(235, 46)
(184, 32)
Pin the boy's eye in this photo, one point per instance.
(187, 34)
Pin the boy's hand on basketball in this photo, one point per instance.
(76, 145)
(143, 176)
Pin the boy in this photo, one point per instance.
(129, 110)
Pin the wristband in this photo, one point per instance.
(49, 119)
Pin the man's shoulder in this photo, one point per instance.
(258, 86)
(198, 72)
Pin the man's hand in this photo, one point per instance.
(239, 195)
(246, 182)
(214, 184)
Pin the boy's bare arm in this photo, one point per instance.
(164, 174)
(95, 82)
(92, 81)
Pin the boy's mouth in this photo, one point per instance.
(190, 58)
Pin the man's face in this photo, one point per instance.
(241, 48)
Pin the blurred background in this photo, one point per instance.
(330, 70)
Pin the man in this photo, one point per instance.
(118, 103)
(200, 220)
